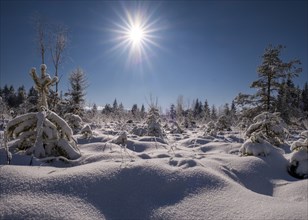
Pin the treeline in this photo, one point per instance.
(18, 100)
(275, 92)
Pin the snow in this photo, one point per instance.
(256, 148)
(299, 157)
(121, 175)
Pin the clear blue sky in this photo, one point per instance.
(203, 49)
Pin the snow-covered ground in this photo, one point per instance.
(183, 176)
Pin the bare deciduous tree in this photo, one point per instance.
(41, 27)
(51, 37)
(58, 44)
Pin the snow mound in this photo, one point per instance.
(184, 176)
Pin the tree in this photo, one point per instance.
(153, 121)
(53, 37)
(115, 107)
(233, 112)
(270, 72)
(213, 113)
(172, 112)
(10, 97)
(304, 98)
(268, 129)
(107, 109)
(42, 84)
(32, 97)
(180, 108)
(41, 27)
(21, 95)
(299, 160)
(78, 84)
(268, 126)
(226, 110)
(198, 110)
(94, 109)
(135, 110)
(142, 111)
(207, 111)
(44, 133)
(58, 44)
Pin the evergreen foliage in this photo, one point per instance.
(172, 112)
(276, 91)
(76, 94)
(268, 126)
(270, 73)
(153, 122)
(42, 133)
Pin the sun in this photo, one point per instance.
(136, 35)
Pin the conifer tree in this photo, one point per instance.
(107, 109)
(142, 111)
(115, 106)
(304, 98)
(94, 109)
(207, 111)
(172, 112)
(21, 95)
(270, 73)
(213, 113)
(77, 93)
(32, 97)
(135, 111)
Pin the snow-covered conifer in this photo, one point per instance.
(153, 122)
(268, 126)
(76, 94)
(255, 146)
(121, 139)
(223, 123)
(74, 121)
(299, 160)
(175, 128)
(42, 84)
(86, 131)
(211, 129)
(43, 133)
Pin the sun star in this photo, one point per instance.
(136, 35)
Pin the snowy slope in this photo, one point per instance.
(185, 176)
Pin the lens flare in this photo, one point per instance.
(136, 33)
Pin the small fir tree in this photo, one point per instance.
(77, 91)
(44, 133)
(268, 126)
(153, 121)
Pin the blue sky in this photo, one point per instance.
(203, 49)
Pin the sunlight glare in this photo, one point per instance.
(136, 34)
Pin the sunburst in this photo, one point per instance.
(137, 34)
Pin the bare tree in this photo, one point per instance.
(41, 27)
(58, 44)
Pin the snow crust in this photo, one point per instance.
(120, 175)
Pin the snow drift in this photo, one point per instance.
(185, 176)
